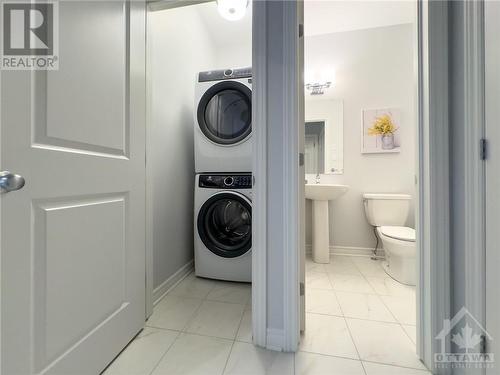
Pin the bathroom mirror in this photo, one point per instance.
(324, 149)
(315, 147)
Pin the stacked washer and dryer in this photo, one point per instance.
(223, 182)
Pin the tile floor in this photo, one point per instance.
(358, 322)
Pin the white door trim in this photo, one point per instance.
(474, 167)
(433, 242)
(287, 338)
(259, 198)
(434, 222)
(149, 177)
(492, 177)
(291, 178)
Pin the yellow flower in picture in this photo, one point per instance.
(383, 125)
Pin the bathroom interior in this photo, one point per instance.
(360, 163)
(360, 194)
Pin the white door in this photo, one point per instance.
(492, 130)
(73, 239)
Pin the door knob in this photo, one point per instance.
(10, 182)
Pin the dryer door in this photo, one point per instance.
(225, 224)
(225, 112)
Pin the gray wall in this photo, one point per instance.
(374, 69)
(180, 47)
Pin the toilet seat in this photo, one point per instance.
(399, 233)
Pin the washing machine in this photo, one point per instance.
(223, 226)
(223, 121)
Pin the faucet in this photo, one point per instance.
(318, 178)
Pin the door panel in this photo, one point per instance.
(73, 239)
(86, 118)
(86, 122)
(85, 248)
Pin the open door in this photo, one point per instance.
(73, 237)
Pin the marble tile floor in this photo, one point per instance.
(359, 321)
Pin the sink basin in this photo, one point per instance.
(325, 192)
(320, 194)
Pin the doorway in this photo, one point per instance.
(199, 188)
(360, 268)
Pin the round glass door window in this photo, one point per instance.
(225, 112)
(225, 225)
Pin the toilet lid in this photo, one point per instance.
(399, 233)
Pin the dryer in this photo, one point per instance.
(223, 121)
(223, 226)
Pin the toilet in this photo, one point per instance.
(388, 213)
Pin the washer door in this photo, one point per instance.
(225, 112)
(225, 224)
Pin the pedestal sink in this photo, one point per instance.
(320, 194)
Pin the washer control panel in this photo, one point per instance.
(219, 75)
(225, 181)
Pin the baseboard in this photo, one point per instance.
(275, 339)
(172, 281)
(349, 250)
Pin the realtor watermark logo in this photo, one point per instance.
(30, 39)
(469, 343)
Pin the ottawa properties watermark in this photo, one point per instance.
(468, 342)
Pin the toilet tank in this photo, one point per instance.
(387, 209)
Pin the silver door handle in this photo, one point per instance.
(10, 182)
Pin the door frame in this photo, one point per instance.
(433, 205)
(259, 189)
(433, 208)
(452, 87)
(491, 79)
(259, 196)
(291, 83)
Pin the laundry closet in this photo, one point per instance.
(199, 144)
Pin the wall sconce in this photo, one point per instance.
(318, 88)
(318, 81)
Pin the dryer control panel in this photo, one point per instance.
(226, 181)
(220, 75)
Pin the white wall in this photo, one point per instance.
(374, 69)
(180, 47)
(239, 55)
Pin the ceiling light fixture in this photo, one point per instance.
(232, 10)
